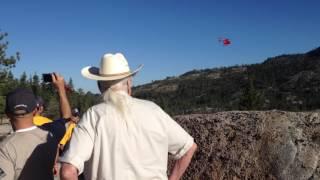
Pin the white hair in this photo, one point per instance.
(116, 93)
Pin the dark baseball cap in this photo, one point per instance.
(20, 101)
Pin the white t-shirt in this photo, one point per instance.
(106, 147)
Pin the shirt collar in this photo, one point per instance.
(26, 129)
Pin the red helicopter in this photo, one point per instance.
(225, 41)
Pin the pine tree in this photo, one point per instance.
(23, 82)
(35, 85)
(6, 63)
(70, 83)
(251, 99)
(52, 111)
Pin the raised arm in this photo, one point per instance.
(59, 84)
(181, 164)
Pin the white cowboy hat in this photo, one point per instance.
(112, 67)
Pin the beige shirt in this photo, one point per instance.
(107, 147)
(30, 153)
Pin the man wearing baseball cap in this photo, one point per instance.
(30, 151)
(124, 138)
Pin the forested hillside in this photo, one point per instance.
(286, 82)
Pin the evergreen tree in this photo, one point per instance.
(23, 80)
(52, 111)
(10, 76)
(6, 63)
(251, 99)
(70, 83)
(35, 85)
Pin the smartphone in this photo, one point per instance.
(47, 77)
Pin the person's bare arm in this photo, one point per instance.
(59, 83)
(181, 164)
(55, 166)
(68, 172)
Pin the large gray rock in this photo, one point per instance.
(254, 145)
(5, 129)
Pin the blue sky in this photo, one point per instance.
(169, 37)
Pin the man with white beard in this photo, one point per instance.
(124, 138)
